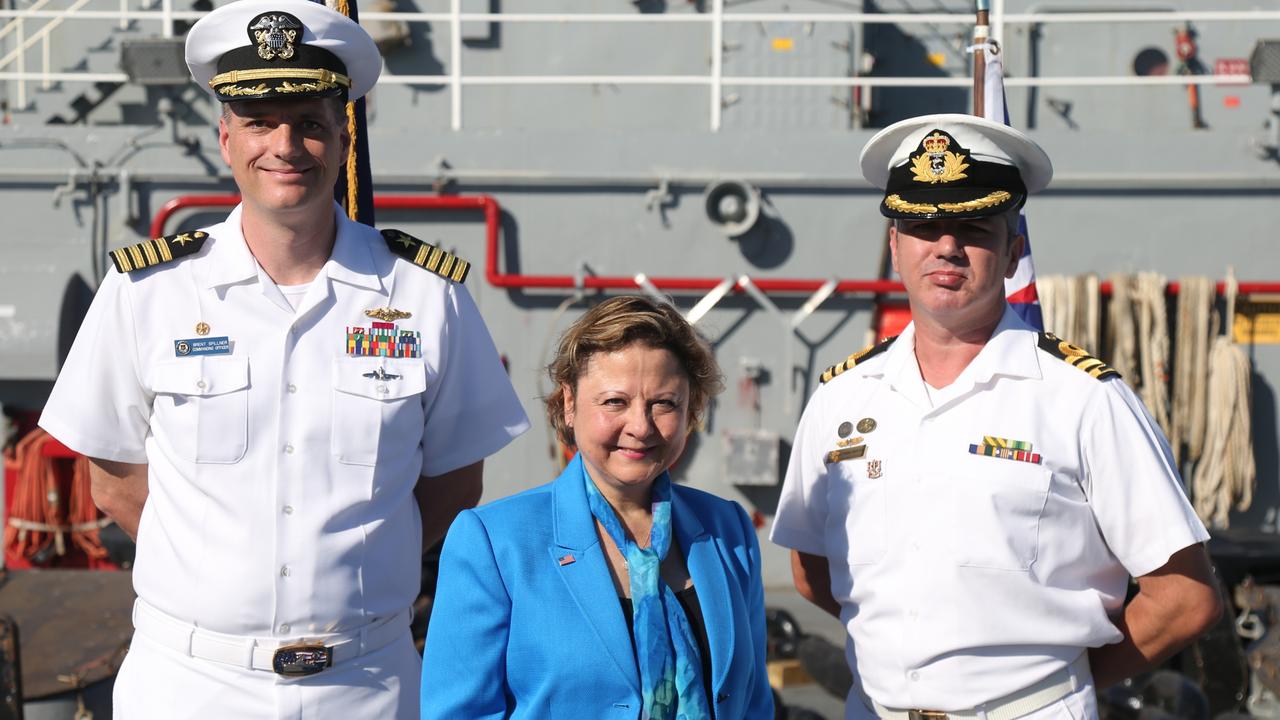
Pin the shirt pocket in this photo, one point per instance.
(861, 504)
(377, 402)
(997, 505)
(202, 408)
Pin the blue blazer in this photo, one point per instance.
(526, 621)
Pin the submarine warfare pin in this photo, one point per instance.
(381, 374)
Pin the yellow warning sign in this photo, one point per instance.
(1257, 322)
(784, 44)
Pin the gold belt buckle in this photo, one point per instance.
(926, 715)
(301, 659)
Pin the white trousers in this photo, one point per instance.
(1082, 704)
(157, 683)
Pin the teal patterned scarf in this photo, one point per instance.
(670, 665)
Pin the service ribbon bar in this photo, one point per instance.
(1005, 453)
(383, 339)
(1006, 443)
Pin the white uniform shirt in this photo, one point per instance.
(281, 476)
(963, 577)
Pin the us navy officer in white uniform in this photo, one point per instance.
(971, 498)
(264, 399)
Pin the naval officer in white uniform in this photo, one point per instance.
(972, 497)
(265, 399)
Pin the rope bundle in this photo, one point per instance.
(1225, 475)
(1139, 339)
(47, 507)
(1206, 414)
(1070, 307)
(1197, 324)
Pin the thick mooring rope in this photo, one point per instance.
(1138, 339)
(1226, 474)
(1153, 346)
(1070, 308)
(1196, 325)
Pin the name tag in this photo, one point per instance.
(849, 453)
(202, 346)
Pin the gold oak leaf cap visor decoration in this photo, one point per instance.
(953, 166)
(277, 49)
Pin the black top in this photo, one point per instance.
(693, 611)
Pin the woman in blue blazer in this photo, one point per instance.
(610, 592)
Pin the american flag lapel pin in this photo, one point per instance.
(566, 560)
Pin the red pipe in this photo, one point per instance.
(492, 220)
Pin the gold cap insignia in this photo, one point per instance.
(936, 163)
(275, 34)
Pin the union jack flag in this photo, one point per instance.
(1020, 290)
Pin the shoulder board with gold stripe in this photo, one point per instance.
(426, 255)
(1076, 356)
(158, 251)
(869, 351)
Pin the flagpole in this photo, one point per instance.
(980, 32)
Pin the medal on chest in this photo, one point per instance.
(383, 338)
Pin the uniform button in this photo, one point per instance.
(288, 449)
(284, 629)
(292, 388)
(284, 571)
(382, 389)
(201, 384)
(287, 509)
(914, 675)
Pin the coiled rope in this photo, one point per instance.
(1070, 308)
(1226, 473)
(46, 510)
(1197, 323)
(1206, 414)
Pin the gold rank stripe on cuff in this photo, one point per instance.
(427, 256)
(157, 251)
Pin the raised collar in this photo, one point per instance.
(352, 261)
(1010, 352)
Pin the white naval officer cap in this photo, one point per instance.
(954, 166)
(275, 49)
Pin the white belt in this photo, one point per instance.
(1014, 705)
(285, 657)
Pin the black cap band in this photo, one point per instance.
(943, 179)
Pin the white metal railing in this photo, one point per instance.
(715, 19)
(24, 43)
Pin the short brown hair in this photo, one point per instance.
(616, 324)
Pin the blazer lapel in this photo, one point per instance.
(581, 563)
(708, 573)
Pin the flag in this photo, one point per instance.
(354, 191)
(1020, 289)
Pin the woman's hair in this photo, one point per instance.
(618, 323)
